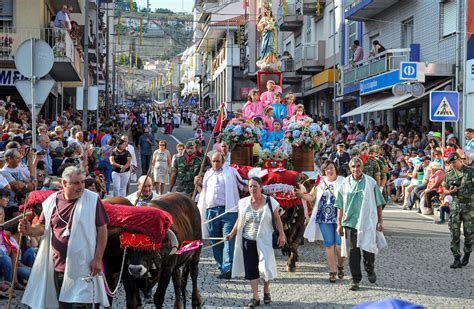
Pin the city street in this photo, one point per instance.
(414, 267)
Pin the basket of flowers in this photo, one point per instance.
(304, 137)
(241, 138)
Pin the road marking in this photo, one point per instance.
(177, 140)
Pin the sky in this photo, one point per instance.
(174, 5)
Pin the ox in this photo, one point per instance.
(144, 269)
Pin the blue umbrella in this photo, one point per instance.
(389, 303)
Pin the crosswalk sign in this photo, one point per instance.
(444, 106)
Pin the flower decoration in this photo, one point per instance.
(303, 133)
(242, 134)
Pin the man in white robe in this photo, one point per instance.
(65, 272)
(359, 217)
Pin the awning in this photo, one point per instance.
(392, 101)
(433, 88)
(378, 105)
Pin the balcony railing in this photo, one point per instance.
(293, 17)
(386, 61)
(60, 41)
(287, 65)
(306, 51)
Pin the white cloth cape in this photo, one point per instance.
(312, 231)
(266, 255)
(367, 237)
(231, 193)
(40, 291)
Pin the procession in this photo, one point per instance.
(153, 185)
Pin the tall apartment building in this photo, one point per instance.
(422, 31)
(22, 20)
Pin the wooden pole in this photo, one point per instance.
(15, 267)
(203, 161)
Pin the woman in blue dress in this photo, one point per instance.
(323, 222)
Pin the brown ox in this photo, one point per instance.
(145, 269)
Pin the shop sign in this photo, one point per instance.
(379, 82)
(9, 76)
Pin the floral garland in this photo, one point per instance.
(303, 134)
(240, 134)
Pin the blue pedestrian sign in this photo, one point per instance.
(444, 106)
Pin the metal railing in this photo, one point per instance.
(385, 61)
(306, 51)
(293, 7)
(351, 3)
(287, 65)
(59, 39)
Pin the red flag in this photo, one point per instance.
(317, 180)
(220, 120)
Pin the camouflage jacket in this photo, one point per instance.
(186, 173)
(462, 180)
(372, 168)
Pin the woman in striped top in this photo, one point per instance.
(254, 230)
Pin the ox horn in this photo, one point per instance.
(174, 241)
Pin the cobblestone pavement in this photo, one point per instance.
(415, 267)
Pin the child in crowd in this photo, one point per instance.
(278, 107)
(268, 119)
(444, 209)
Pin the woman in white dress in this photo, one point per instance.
(161, 166)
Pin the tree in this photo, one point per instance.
(163, 11)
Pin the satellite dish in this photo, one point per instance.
(37, 51)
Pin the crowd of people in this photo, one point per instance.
(358, 163)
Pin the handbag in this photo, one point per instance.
(275, 234)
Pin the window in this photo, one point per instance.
(351, 37)
(448, 18)
(288, 47)
(6, 13)
(308, 24)
(407, 32)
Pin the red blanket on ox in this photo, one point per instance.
(147, 220)
(287, 177)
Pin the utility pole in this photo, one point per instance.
(107, 88)
(97, 66)
(85, 97)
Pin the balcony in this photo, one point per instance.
(362, 10)
(293, 20)
(310, 6)
(386, 61)
(67, 59)
(309, 58)
(289, 75)
(77, 5)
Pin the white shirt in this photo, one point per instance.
(215, 195)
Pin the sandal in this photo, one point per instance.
(19, 286)
(332, 277)
(340, 272)
(266, 298)
(253, 303)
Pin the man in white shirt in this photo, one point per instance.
(219, 194)
(147, 194)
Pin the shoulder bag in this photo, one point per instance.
(276, 233)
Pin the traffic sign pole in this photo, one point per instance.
(443, 135)
(33, 107)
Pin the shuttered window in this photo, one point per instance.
(6, 13)
(448, 17)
